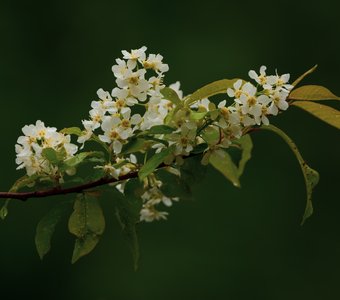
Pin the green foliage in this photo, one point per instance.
(246, 145)
(53, 156)
(171, 95)
(211, 89)
(211, 135)
(310, 175)
(160, 129)
(196, 116)
(46, 228)
(312, 93)
(128, 207)
(135, 145)
(87, 223)
(223, 163)
(322, 112)
(165, 175)
(154, 162)
(72, 130)
(4, 210)
(83, 157)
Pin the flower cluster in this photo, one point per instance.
(152, 197)
(137, 103)
(112, 113)
(29, 149)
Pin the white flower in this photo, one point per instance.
(184, 138)
(123, 99)
(280, 82)
(149, 214)
(103, 95)
(135, 83)
(261, 78)
(249, 101)
(263, 100)
(155, 62)
(29, 148)
(236, 92)
(121, 68)
(118, 128)
(229, 114)
(134, 56)
(278, 99)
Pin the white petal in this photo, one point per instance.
(252, 74)
(263, 70)
(231, 92)
(285, 77)
(135, 119)
(283, 105)
(222, 104)
(237, 84)
(117, 147)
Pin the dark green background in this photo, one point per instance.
(228, 243)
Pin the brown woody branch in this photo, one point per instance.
(63, 191)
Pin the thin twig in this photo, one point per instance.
(63, 191)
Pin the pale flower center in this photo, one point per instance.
(251, 101)
(126, 123)
(114, 135)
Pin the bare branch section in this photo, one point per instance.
(64, 191)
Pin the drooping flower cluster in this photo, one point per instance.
(152, 197)
(29, 148)
(137, 103)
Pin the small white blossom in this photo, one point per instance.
(236, 92)
(36, 138)
(134, 56)
(155, 62)
(261, 78)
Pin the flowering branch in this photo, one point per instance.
(142, 126)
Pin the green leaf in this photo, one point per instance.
(87, 223)
(200, 148)
(323, 112)
(154, 139)
(72, 130)
(310, 175)
(223, 163)
(196, 116)
(246, 146)
(24, 181)
(211, 135)
(53, 156)
(182, 185)
(79, 158)
(134, 145)
(297, 81)
(160, 129)
(154, 162)
(128, 214)
(46, 228)
(171, 95)
(312, 93)
(4, 210)
(211, 89)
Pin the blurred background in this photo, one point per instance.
(228, 243)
